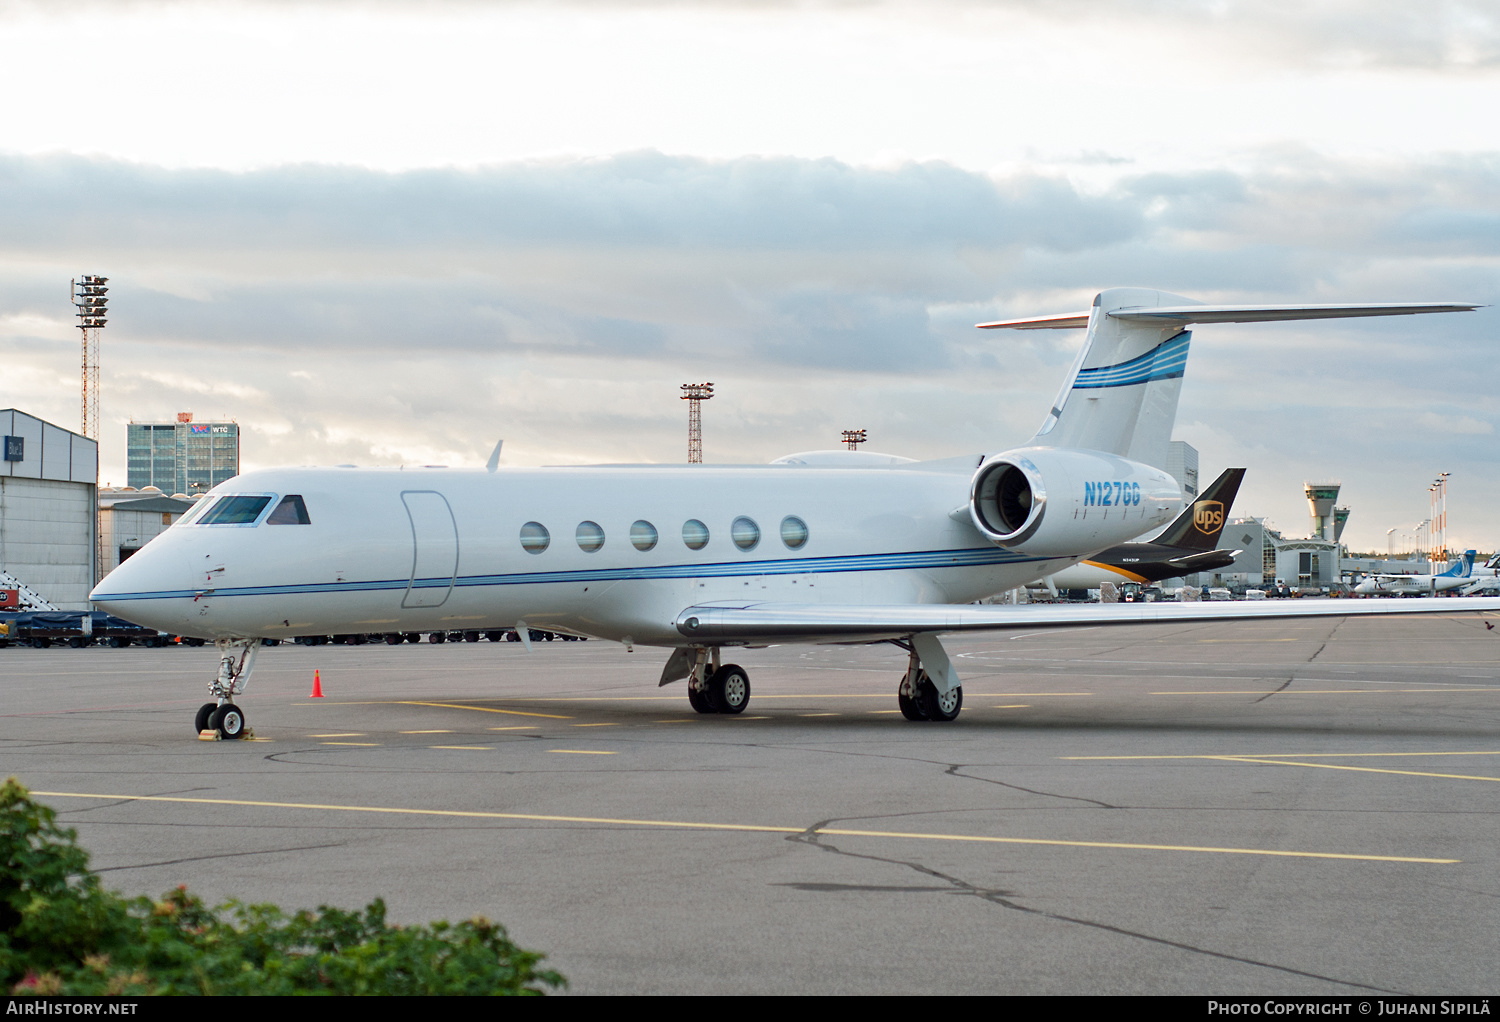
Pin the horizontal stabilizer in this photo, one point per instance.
(761, 622)
(1185, 314)
(1062, 321)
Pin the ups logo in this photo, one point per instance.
(1208, 516)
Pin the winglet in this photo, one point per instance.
(494, 461)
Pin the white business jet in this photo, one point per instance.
(823, 547)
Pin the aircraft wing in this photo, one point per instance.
(758, 622)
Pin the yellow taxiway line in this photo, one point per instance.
(744, 827)
(1323, 691)
(1281, 759)
(1299, 755)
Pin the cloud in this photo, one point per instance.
(1442, 34)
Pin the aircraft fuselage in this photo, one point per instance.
(389, 550)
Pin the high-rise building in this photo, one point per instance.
(183, 456)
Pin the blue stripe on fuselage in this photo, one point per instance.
(964, 558)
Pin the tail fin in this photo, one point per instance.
(1464, 568)
(1121, 394)
(1198, 527)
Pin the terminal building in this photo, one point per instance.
(1266, 555)
(49, 481)
(183, 456)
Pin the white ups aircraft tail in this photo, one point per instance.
(700, 558)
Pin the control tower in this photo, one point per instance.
(1320, 500)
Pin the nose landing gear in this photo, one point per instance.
(222, 719)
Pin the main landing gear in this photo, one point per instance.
(222, 719)
(713, 688)
(919, 697)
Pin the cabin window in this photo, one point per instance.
(643, 535)
(291, 511)
(694, 534)
(793, 532)
(745, 533)
(534, 537)
(235, 510)
(590, 536)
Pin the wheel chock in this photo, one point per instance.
(211, 734)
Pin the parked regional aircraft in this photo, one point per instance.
(1184, 547)
(1457, 576)
(700, 558)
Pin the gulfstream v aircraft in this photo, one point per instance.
(697, 559)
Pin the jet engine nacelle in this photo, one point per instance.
(1058, 503)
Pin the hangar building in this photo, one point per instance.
(49, 480)
(131, 518)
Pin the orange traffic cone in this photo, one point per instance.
(317, 692)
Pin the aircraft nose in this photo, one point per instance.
(144, 587)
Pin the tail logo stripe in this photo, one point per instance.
(1166, 361)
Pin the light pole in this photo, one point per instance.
(1388, 542)
(695, 394)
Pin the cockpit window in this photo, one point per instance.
(291, 511)
(235, 510)
(196, 511)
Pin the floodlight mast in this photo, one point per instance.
(854, 437)
(88, 294)
(695, 394)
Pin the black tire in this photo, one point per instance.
(437, 637)
(40, 642)
(911, 709)
(471, 636)
(394, 639)
(698, 701)
(75, 642)
(938, 707)
(495, 636)
(729, 689)
(229, 721)
(200, 722)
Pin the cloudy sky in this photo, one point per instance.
(393, 231)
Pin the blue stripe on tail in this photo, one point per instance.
(1166, 361)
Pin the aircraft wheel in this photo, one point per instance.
(729, 689)
(936, 707)
(699, 701)
(393, 639)
(228, 721)
(910, 708)
(200, 722)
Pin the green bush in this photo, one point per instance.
(61, 933)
